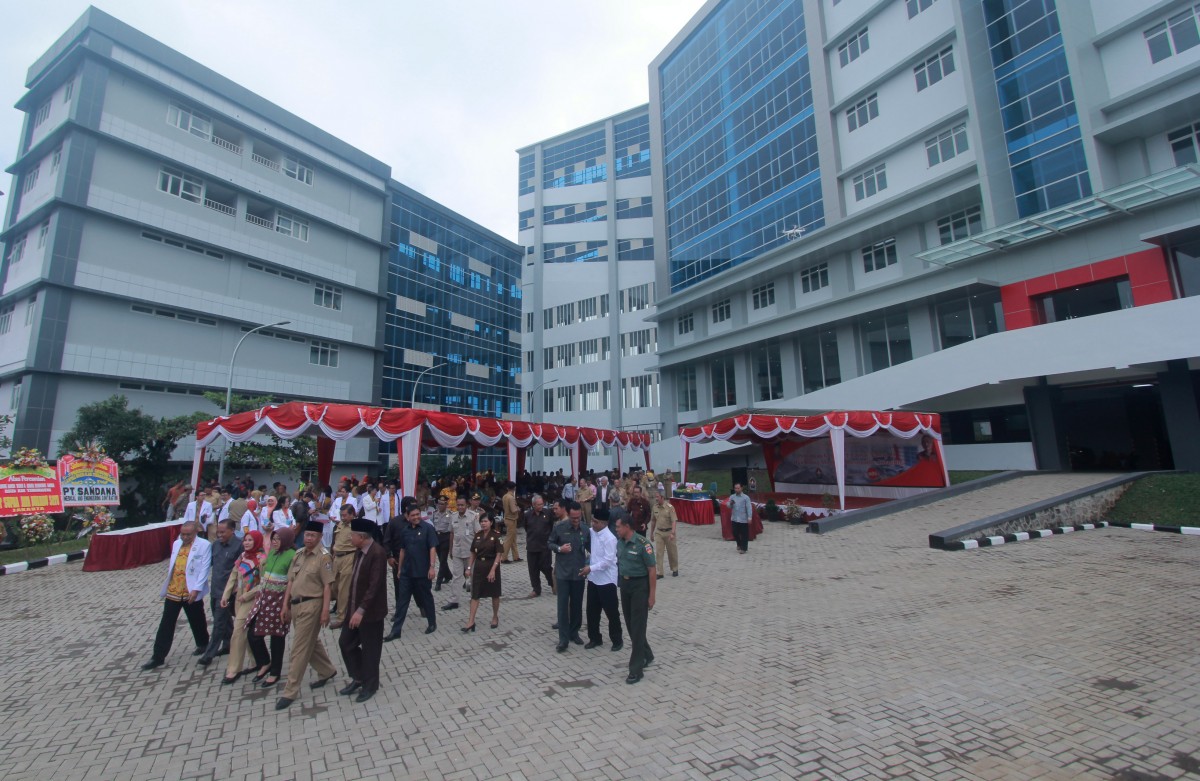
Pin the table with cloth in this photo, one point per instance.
(130, 548)
(756, 526)
(697, 512)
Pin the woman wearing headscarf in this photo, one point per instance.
(265, 619)
(484, 570)
(242, 589)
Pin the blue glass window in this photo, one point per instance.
(579, 161)
(592, 211)
(631, 140)
(575, 251)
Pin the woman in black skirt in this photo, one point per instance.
(484, 570)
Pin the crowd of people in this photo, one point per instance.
(277, 565)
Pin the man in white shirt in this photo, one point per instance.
(199, 511)
(335, 509)
(389, 505)
(601, 573)
(184, 588)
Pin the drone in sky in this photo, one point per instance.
(793, 233)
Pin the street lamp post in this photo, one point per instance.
(413, 402)
(229, 388)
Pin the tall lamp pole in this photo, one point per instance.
(413, 401)
(229, 388)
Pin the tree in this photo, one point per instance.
(5, 439)
(280, 456)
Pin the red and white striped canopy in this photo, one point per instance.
(764, 428)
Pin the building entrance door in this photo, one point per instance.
(1119, 428)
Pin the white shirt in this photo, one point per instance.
(198, 567)
(357, 502)
(386, 510)
(282, 518)
(370, 508)
(224, 514)
(335, 507)
(603, 560)
(250, 522)
(205, 516)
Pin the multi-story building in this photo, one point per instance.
(981, 208)
(452, 336)
(586, 224)
(160, 211)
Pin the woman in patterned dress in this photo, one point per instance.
(265, 619)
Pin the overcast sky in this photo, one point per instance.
(443, 91)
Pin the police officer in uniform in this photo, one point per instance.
(306, 604)
(343, 563)
(635, 562)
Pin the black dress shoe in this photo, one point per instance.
(364, 695)
(437, 586)
(393, 635)
(561, 648)
(319, 683)
(150, 665)
(204, 661)
(554, 625)
(633, 678)
(431, 629)
(659, 577)
(576, 639)
(222, 651)
(350, 688)
(675, 574)
(199, 651)
(592, 644)
(618, 646)
(282, 703)
(450, 606)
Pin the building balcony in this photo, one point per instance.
(227, 138)
(220, 199)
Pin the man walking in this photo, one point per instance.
(569, 540)
(635, 559)
(361, 641)
(188, 570)
(638, 507)
(538, 525)
(601, 573)
(343, 563)
(664, 525)
(306, 605)
(739, 514)
(463, 526)
(224, 554)
(415, 567)
(441, 525)
(512, 514)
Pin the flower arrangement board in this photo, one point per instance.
(28, 485)
(86, 482)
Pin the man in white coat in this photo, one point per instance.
(199, 510)
(185, 587)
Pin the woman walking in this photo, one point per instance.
(484, 571)
(242, 589)
(265, 619)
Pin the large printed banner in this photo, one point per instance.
(26, 490)
(88, 483)
(880, 459)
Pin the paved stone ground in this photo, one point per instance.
(860, 654)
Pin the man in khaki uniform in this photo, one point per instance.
(306, 605)
(512, 512)
(343, 563)
(663, 525)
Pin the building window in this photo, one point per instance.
(685, 389)
(1177, 34)
(6, 313)
(566, 399)
(962, 319)
(291, 225)
(547, 358)
(721, 311)
(298, 169)
(959, 225)
(31, 177)
(854, 47)
(254, 266)
(43, 113)
(68, 91)
(55, 159)
(327, 296)
(588, 310)
(819, 361)
(640, 392)
(935, 68)
(870, 182)
(589, 351)
(724, 387)
(605, 348)
(323, 354)
(171, 314)
(565, 354)
(636, 298)
(15, 399)
(172, 181)
(547, 399)
(685, 324)
(564, 314)
(604, 305)
(814, 278)
(547, 318)
(31, 308)
(763, 296)
(529, 360)
(880, 255)
(186, 119)
(17, 251)
(946, 145)
(639, 342)
(1184, 142)
(1109, 295)
(768, 372)
(915, 7)
(589, 396)
(862, 112)
(529, 322)
(43, 232)
(885, 340)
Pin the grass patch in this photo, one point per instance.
(1170, 500)
(34, 552)
(967, 475)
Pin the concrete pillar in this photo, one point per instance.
(1043, 404)
(1177, 390)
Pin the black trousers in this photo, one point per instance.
(741, 535)
(603, 598)
(419, 588)
(166, 626)
(635, 604)
(258, 647)
(443, 552)
(540, 563)
(222, 625)
(361, 649)
(570, 609)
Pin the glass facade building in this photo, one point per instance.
(1037, 104)
(738, 138)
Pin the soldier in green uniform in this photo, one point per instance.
(635, 563)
